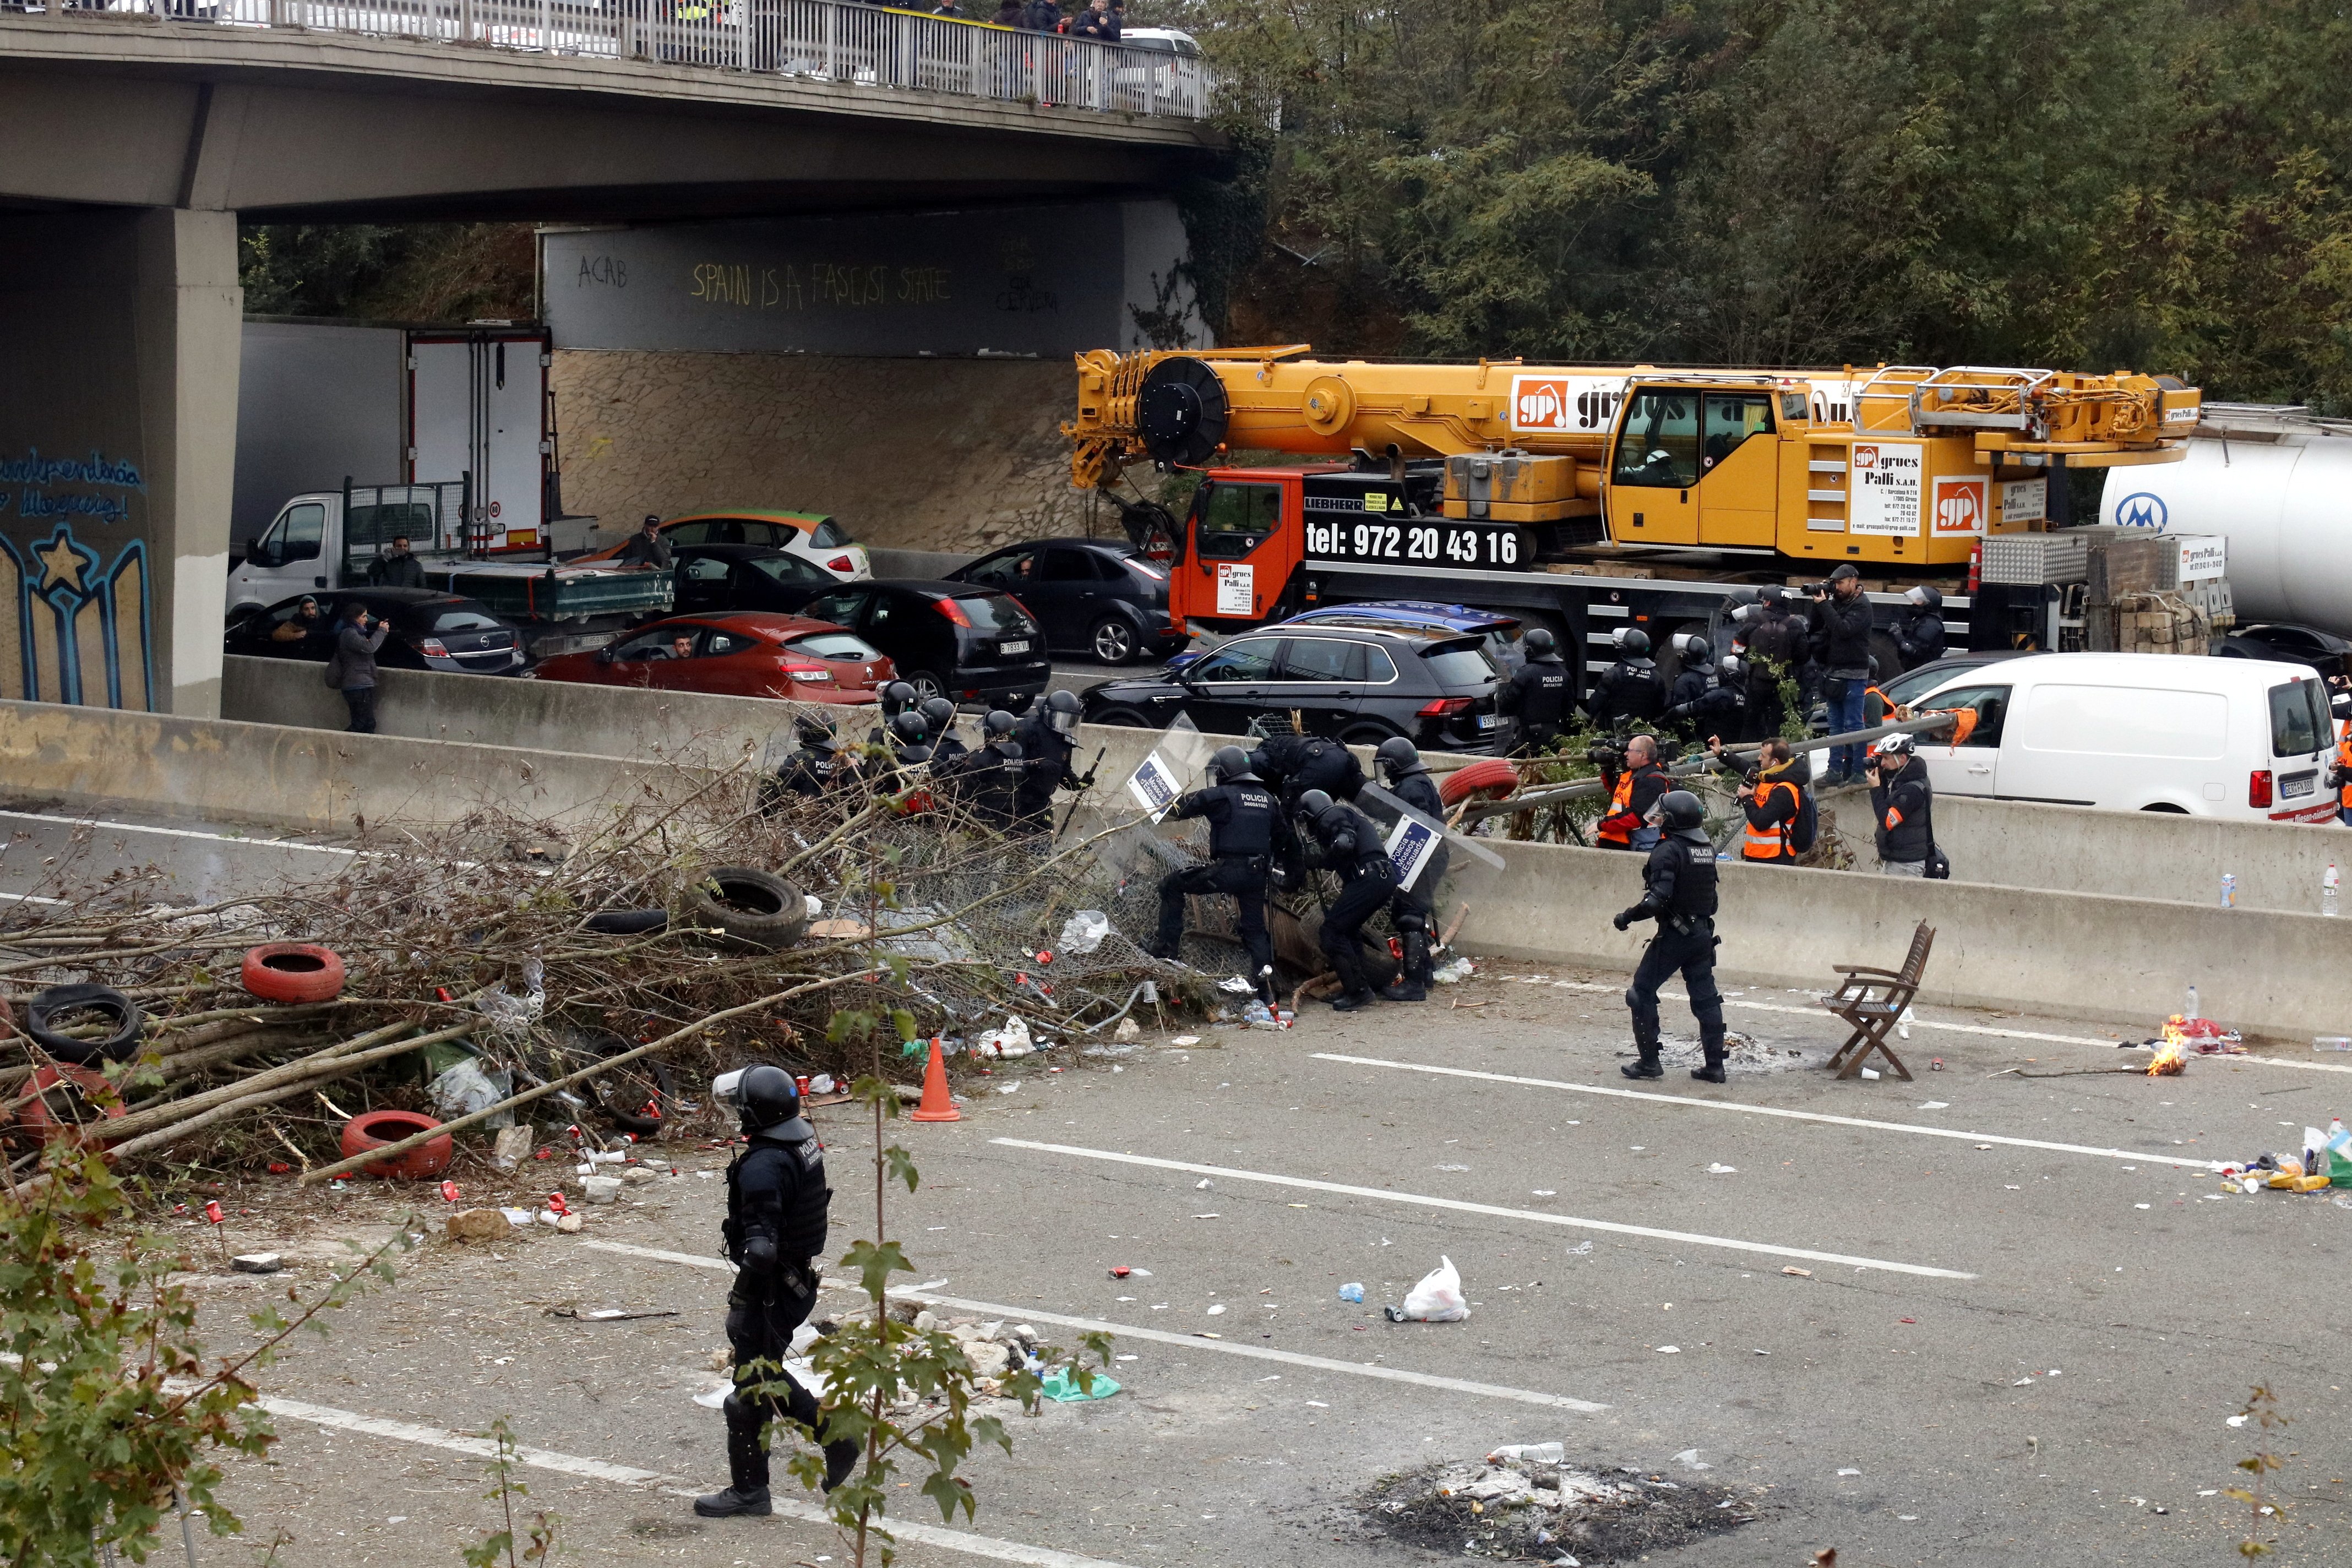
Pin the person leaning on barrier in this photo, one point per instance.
(1350, 844)
(1902, 801)
(1412, 909)
(1636, 783)
(1537, 699)
(1242, 814)
(776, 1212)
(1770, 799)
(1678, 891)
(1096, 22)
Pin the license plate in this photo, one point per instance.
(1487, 720)
(1013, 647)
(2297, 784)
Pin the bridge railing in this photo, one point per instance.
(826, 40)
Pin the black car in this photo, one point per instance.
(715, 578)
(1100, 598)
(1359, 685)
(958, 640)
(2325, 652)
(430, 630)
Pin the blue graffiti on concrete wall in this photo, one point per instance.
(35, 474)
(73, 632)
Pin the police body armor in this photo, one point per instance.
(1694, 884)
(801, 1228)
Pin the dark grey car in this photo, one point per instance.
(1100, 597)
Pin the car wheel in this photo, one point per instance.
(1367, 735)
(1122, 718)
(1113, 640)
(927, 685)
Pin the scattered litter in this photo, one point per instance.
(1529, 1453)
(1798, 1273)
(1936, 1105)
(712, 1398)
(256, 1263)
(1453, 972)
(1217, 1310)
(1670, 1349)
(1083, 932)
(1006, 1043)
(1060, 1386)
(1437, 1298)
(1870, 1073)
(2237, 1421)
(1722, 1170)
(1202, 1185)
(517, 1218)
(1236, 985)
(1582, 1249)
(511, 1147)
(1185, 1040)
(1126, 1031)
(1546, 1192)
(1849, 1471)
(1688, 1458)
(1351, 1292)
(1453, 1167)
(1012, 1088)
(465, 1087)
(605, 1315)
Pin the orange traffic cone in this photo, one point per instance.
(937, 1106)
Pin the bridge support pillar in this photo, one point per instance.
(118, 342)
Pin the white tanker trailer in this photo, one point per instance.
(2277, 484)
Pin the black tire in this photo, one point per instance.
(756, 908)
(927, 685)
(1368, 735)
(1112, 640)
(626, 1095)
(629, 923)
(130, 1023)
(1121, 718)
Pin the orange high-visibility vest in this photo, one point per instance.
(1768, 843)
(2343, 762)
(1620, 801)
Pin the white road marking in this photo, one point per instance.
(1157, 1336)
(1919, 1022)
(176, 832)
(625, 1475)
(1536, 1217)
(1614, 1093)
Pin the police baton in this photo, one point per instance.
(1084, 785)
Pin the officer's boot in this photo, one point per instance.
(1712, 1038)
(1411, 983)
(747, 1463)
(1646, 1042)
(840, 1454)
(1355, 986)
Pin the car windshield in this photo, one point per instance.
(840, 645)
(1458, 665)
(1914, 684)
(790, 570)
(995, 612)
(464, 620)
(2298, 719)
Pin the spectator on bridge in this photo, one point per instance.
(1042, 16)
(647, 548)
(352, 668)
(948, 8)
(304, 622)
(1096, 22)
(397, 569)
(1008, 13)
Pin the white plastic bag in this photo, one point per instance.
(1013, 1040)
(1437, 1300)
(1084, 931)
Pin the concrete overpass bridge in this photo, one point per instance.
(140, 133)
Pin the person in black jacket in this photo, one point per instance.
(1920, 629)
(647, 549)
(812, 771)
(1409, 910)
(1042, 16)
(987, 780)
(1242, 814)
(1774, 648)
(1538, 695)
(1096, 22)
(1679, 892)
(1902, 801)
(1630, 690)
(776, 1204)
(939, 718)
(352, 669)
(1350, 845)
(1841, 642)
(398, 568)
(1294, 764)
(1707, 702)
(1048, 737)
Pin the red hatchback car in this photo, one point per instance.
(748, 653)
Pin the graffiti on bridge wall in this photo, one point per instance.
(75, 626)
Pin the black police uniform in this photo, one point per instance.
(1294, 764)
(1680, 894)
(1538, 697)
(810, 773)
(1629, 689)
(1045, 756)
(776, 1202)
(1351, 846)
(1714, 706)
(1411, 909)
(987, 780)
(1241, 814)
(948, 748)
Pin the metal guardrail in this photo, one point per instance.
(821, 40)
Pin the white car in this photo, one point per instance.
(815, 538)
(2247, 739)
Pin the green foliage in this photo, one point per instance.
(406, 272)
(2262, 1406)
(539, 1537)
(108, 1407)
(2157, 183)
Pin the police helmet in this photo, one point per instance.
(815, 734)
(896, 697)
(1231, 763)
(1680, 809)
(1894, 746)
(1771, 592)
(1734, 667)
(1632, 641)
(1695, 651)
(762, 1094)
(911, 728)
(999, 724)
(1314, 803)
(1538, 642)
(938, 712)
(1062, 712)
(1927, 597)
(1398, 758)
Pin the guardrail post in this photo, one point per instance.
(833, 43)
(466, 20)
(546, 43)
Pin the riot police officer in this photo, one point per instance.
(939, 718)
(1048, 737)
(896, 698)
(1679, 892)
(1708, 702)
(1411, 909)
(1536, 698)
(1630, 690)
(776, 1200)
(810, 772)
(987, 780)
(1293, 764)
(1242, 812)
(1350, 845)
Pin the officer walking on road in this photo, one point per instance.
(776, 1201)
(1351, 846)
(1411, 909)
(1242, 814)
(1536, 698)
(1679, 894)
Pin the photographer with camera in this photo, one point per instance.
(1629, 691)
(1535, 697)
(1773, 799)
(1841, 641)
(1636, 781)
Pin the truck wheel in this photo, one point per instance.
(1113, 640)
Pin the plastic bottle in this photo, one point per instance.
(2229, 891)
(2327, 885)
(2192, 1012)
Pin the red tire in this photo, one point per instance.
(293, 972)
(1492, 775)
(65, 1101)
(374, 1128)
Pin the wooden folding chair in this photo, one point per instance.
(1872, 1002)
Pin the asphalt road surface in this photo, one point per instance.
(2025, 1323)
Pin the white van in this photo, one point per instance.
(2249, 739)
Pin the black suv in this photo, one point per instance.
(949, 639)
(1095, 596)
(1356, 684)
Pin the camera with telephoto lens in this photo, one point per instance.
(1605, 757)
(1816, 590)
